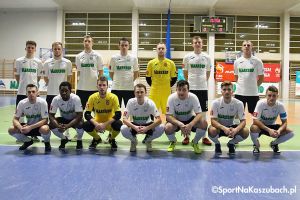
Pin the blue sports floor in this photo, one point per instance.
(121, 175)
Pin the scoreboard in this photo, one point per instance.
(205, 24)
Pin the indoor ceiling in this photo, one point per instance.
(239, 7)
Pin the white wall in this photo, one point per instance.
(17, 26)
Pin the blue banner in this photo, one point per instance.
(168, 35)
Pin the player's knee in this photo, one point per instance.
(212, 131)
(160, 128)
(88, 126)
(124, 129)
(245, 132)
(44, 129)
(203, 124)
(116, 125)
(254, 129)
(80, 125)
(169, 128)
(11, 130)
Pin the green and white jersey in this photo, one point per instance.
(141, 114)
(225, 113)
(88, 64)
(183, 110)
(197, 65)
(33, 112)
(28, 70)
(247, 71)
(268, 114)
(68, 109)
(57, 71)
(123, 68)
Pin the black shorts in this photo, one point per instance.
(49, 99)
(20, 98)
(187, 122)
(84, 96)
(150, 132)
(250, 100)
(273, 126)
(125, 94)
(62, 120)
(203, 98)
(221, 133)
(33, 132)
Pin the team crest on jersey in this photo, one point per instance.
(231, 108)
(107, 102)
(165, 64)
(36, 107)
(125, 113)
(146, 109)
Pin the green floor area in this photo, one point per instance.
(6, 115)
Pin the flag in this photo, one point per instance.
(168, 35)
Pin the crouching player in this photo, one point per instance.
(71, 112)
(223, 112)
(141, 109)
(106, 108)
(35, 110)
(266, 112)
(184, 113)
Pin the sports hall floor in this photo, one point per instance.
(159, 175)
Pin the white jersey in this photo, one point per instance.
(197, 65)
(28, 69)
(88, 64)
(141, 114)
(33, 112)
(123, 68)
(57, 71)
(68, 109)
(225, 113)
(267, 114)
(183, 110)
(247, 71)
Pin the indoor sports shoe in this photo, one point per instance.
(185, 141)
(133, 145)
(197, 150)
(231, 148)
(171, 146)
(149, 146)
(79, 145)
(275, 147)
(94, 143)
(255, 150)
(218, 149)
(47, 147)
(63, 143)
(113, 145)
(25, 145)
(206, 141)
